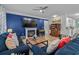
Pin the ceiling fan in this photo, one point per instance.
(41, 9)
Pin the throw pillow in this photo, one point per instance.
(9, 41)
(15, 39)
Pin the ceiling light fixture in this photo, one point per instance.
(41, 11)
(77, 14)
(55, 15)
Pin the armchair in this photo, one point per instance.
(22, 49)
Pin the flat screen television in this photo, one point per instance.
(29, 23)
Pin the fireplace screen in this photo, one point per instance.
(31, 33)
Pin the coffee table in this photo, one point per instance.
(38, 41)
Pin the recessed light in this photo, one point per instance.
(54, 15)
(77, 14)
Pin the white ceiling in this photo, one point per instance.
(27, 9)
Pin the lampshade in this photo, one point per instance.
(9, 30)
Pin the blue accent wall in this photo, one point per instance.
(15, 22)
(40, 24)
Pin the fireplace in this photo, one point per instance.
(31, 32)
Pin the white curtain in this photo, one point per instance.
(2, 19)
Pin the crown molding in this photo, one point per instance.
(17, 13)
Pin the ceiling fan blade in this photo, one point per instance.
(36, 9)
(45, 7)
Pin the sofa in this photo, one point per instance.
(21, 49)
(71, 48)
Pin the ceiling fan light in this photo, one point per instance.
(41, 11)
